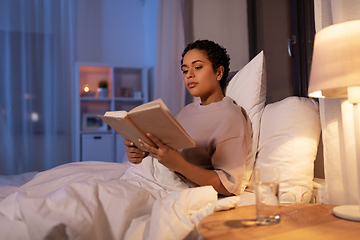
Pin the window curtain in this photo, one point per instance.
(168, 84)
(36, 66)
(336, 118)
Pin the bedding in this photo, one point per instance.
(97, 200)
(102, 200)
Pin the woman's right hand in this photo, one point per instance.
(134, 154)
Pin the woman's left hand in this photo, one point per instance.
(168, 157)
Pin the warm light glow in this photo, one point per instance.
(354, 94)
(316, 94)
(86, 88)
(336, 60)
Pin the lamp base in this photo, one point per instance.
(349, 212)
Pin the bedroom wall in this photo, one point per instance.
(117, 31)
(224, 22)
(89, 31)
(124, 32)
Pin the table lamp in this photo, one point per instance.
(335, 73)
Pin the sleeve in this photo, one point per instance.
(230, 157)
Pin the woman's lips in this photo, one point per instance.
(192, 84)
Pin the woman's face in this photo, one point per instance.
(199, 77)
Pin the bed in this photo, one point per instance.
(97, 200)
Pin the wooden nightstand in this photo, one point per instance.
(300, 221)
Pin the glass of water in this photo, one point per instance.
(267, 195)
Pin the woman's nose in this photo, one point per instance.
(190, 73)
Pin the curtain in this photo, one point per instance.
(168, 84)
(336, 118)
(36, 69)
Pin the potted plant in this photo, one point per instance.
(103, 88)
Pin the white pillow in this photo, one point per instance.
(248, 89)
(289, 137)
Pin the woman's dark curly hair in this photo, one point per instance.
(215, 53)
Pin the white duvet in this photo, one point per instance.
(97, 200)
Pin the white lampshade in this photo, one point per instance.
(336, 62)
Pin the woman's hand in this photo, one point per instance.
(166, 156)
(134, 154)
(173, 160)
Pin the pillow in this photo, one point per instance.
(248, 88)
(289, 137)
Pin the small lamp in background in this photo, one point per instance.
(335, 73)
(86, 88)
(86, 91)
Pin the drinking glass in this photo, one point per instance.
(267, 195)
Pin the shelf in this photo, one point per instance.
(128, 88)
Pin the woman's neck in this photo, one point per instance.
(211, 99)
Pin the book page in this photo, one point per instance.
(148, 105)
(120, 114)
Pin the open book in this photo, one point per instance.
(152, 117)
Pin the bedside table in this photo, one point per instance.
(300, 221)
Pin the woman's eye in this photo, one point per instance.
(184, 71)
(197, 68)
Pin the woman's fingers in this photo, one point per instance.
(147, 146)
(157, 152)
(135, 160)
(134, 154)
(155, 140)
(134, 151)
(128, 143)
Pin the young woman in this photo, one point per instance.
(220, 128)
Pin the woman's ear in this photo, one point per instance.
(219, 73)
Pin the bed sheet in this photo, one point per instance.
(97, 200)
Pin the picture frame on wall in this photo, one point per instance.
(91, 122)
